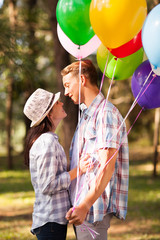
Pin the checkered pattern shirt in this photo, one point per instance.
(98, 129)
(50, 180)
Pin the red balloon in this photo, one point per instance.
(128, 48)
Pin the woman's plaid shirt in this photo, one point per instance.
(50, 180)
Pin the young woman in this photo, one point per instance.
(48, 166)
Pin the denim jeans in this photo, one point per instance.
(51, 231)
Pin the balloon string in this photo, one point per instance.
(104, 73)
(92, 232)
(111, 80)
(89, 182)
(133, 105)
(79, 116)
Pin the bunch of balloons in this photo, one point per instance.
(122, 21)
(120, 31)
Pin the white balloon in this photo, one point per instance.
(78, 51)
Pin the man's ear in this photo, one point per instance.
(83, 80)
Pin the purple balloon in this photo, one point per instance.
(151, 97)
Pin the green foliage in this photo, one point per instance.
(26, 56)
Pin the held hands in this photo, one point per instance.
(77, 215)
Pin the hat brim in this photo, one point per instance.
(56, 98)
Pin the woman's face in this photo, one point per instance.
(57, 112)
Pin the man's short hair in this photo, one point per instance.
(87, 69)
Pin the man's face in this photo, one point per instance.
(71, 85)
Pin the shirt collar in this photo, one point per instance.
(93, 106)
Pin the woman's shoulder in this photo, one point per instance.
(47, 138)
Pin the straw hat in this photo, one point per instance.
(39, 104)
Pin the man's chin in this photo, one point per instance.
(75, 102)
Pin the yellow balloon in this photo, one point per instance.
(116, 22)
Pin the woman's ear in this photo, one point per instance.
(49, 116)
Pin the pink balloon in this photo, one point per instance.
(77, 51)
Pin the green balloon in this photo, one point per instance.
(124, 67)
(73, 18)
(102, 55)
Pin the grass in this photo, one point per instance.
(143, 218)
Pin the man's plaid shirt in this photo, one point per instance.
(98, 129)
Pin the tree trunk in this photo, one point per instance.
(9, 100)
(152, 4)
(30, 24)
(61, 60)
(156, 140)
(9, 110)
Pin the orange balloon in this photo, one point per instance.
(116, 22)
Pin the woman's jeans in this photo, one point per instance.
(51, 231)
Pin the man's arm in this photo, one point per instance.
(78, 214)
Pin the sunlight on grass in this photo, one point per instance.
(143, 217)
(17, 199)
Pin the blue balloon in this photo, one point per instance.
(1, 3)
(149, 97)
(151, 36)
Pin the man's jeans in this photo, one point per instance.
(51, 231)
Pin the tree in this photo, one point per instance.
(61, 60)
(9, 100)
(151, 5)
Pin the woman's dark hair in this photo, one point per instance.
(33, 134)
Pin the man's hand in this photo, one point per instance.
(77, 215)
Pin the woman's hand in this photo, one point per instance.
(85, 164)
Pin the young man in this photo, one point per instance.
(103, 191)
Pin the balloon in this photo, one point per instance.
(1, 3)
(102, 55)
(151, 36)
(125, 67)
(73, 18)
(78, 51)
(128, 48)
(151, 97)
(116, 22)
(121, 68)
